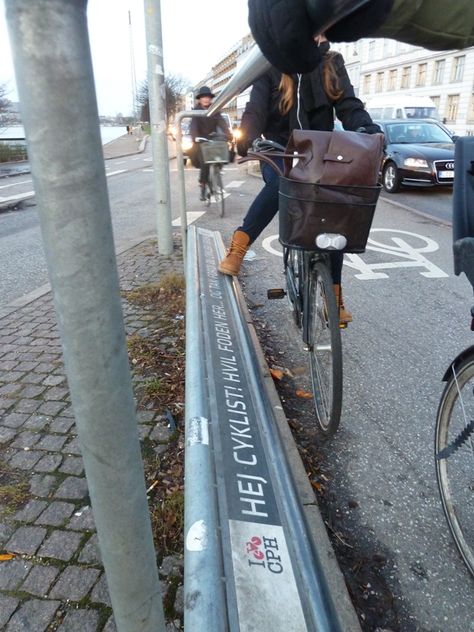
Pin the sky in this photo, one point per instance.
(196, 33)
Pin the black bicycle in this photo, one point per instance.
(307, 269)
(454, 434)
(215, 153)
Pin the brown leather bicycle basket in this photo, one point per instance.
(308, 210)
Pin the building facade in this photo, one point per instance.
(382, 67)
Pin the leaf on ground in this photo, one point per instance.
(6, 557)
(277, 374)
(303, 394)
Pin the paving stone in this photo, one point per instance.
(27, 405)
(51, 408)
(42, 484)
(6, 531)
(11, 376)
(26, 540)
(34, 377)
(73, 447)
(27, 366)
(160, 433)
(31, 391)
(26, 439)
(80, 621)
(100, 594)
(51, 443)
(33, 615)
(39, 580)
(10, 390)
(37, 422)
(179, 601)
(72, 487)
(56, 514)
(143, 431)
(6, 434)
(54, 380)
(61, 424)
(72, 465)
(82, 520)
(61, 545)
(8, 365)
(49, 463)
(30, 511)
(55, 394)
(46, 367)
(24, 459)
(8, 605)
(5, 405)
(12, 573)
(90, 554)
(74, 583)
(14, 420)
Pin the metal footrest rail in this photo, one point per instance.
(250, 560)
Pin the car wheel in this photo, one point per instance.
(391, 178)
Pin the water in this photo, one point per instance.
(107, 133)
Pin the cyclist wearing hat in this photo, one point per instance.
(204, 127)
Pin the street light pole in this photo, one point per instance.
(159, 137)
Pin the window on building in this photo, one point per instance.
(470, 116)
(458, 68)
(436, 100)
(379, 82)
(406, 73)
(440, 65)
(371, 50)
(421, 74)
(392, 79)
(367, 83)
(452, 107)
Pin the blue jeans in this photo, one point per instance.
(264, 208)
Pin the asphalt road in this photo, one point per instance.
(411, 317)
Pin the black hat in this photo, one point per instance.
(204, 91)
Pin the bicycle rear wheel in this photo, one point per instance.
(217, 188)
(455, 473)
(325, 349)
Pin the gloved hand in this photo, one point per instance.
(243, 145)
(370, 129)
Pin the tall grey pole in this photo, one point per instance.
(55, 82)
(159, 137)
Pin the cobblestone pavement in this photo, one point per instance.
(55, 580)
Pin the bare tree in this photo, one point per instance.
(5, 105)
(175, 88)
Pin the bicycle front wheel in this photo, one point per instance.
(218, 188)
(455, 466)
(325, 349)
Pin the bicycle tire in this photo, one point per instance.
(208, 191)
(455, 473)
(325, 349)
(293, 270)
(218, 188)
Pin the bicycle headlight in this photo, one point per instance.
(419, 163)
(331, 241)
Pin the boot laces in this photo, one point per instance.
(237, 249)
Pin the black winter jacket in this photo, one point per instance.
(316, 110)
(206, 125)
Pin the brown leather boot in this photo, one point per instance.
(345, 316)
(233, 260)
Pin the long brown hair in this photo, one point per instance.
(330, 84)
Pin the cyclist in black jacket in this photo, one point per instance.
(273, 112)
(204, 127)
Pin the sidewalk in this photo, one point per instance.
(51, 577)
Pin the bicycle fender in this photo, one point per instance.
(458, 360)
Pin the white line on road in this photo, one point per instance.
(114, 173)
(192, 216)
(147, 170)
(23, 196)
(234, 184)
(14, 184)
(120, 162)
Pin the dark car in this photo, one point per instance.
(419, 152)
